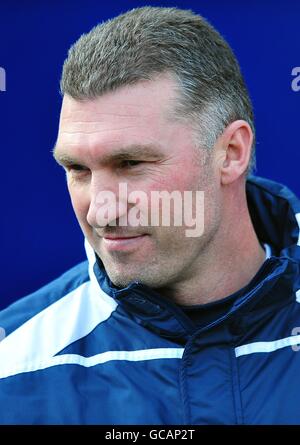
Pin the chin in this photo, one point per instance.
(121, 282)
(122, 276)
(122, 279)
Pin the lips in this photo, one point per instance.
(117, 233)
(121, 237)
(119, 243)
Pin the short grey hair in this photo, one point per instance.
(148, 41)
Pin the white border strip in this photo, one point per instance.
(298, 221)
(268, 251)
(267, 346)
(99, 359)
(298, 296)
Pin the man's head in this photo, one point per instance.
(154, 99)
(148, 41)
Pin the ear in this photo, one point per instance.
(235, 146)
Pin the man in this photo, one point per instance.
(161, 326)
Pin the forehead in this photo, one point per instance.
(144, 100)
(133, 115)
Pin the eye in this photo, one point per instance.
(76, 168)
(130, 163)
(77, 171)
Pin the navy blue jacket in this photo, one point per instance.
(81, 351)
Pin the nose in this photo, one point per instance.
(108, 202)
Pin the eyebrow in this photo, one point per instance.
(130, 152)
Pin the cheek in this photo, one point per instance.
(182, 177)
(80, 203)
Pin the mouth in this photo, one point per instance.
(112, 242)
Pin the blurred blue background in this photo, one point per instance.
(40, 237)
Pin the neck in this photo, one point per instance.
(231, 260)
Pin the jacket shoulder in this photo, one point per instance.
(25, 308)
